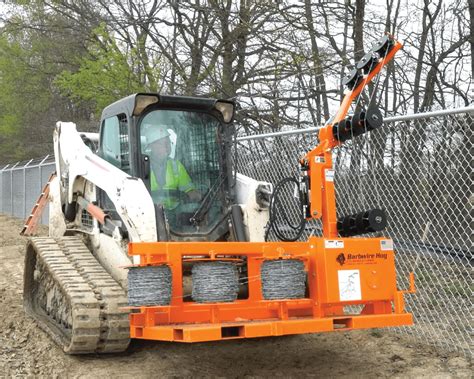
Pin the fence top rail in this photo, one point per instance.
(386, 120)
(32, 163)
(443, 112)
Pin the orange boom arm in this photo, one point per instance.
(317, 164)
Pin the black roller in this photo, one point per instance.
(367, 63)
(373, 220)
(383, 45)
(347, 123)
(342, 130)
(358, 119)
(347, 226)
(358, 123)
(352, 79)
(362, 121)
(373, 118)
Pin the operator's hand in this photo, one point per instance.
(194, 196)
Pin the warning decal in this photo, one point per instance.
(333, 244)
(329, 175)
(386, 245)
(349, 285)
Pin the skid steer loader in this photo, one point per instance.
(154, 235)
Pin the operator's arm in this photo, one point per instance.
(186, 185)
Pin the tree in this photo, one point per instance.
(105, 75)
(35, 46)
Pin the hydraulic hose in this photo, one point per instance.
(278, 209)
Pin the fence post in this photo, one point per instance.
(40, 168)
(11, 187)
(2, 172)
(24, 187)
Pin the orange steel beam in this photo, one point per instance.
(319, 160)
(322, 309)
(252, 329)
(326, 138)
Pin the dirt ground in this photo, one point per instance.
(27, 351)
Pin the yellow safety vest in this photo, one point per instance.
(177, 179)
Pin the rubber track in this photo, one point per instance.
(98, 324)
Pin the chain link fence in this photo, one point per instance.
(417, 168)
(21, 184)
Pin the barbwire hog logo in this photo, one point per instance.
(341, 259)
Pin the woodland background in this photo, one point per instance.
(283, 61)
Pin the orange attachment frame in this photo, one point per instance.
(329, 265)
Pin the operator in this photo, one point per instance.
(168, 176)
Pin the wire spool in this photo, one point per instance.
(149, 285)
(215, 282)
(283, 279)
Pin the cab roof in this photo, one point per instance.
(135, 104)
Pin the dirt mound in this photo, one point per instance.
(26, 350)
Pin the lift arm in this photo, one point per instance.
(74, 160)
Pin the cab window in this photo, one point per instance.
(115, 143)
(186, 168)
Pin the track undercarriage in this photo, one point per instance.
(73, 298)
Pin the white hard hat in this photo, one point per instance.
(154, 133)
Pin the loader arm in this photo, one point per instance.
(75, 160)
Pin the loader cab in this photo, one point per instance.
(180, 147)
